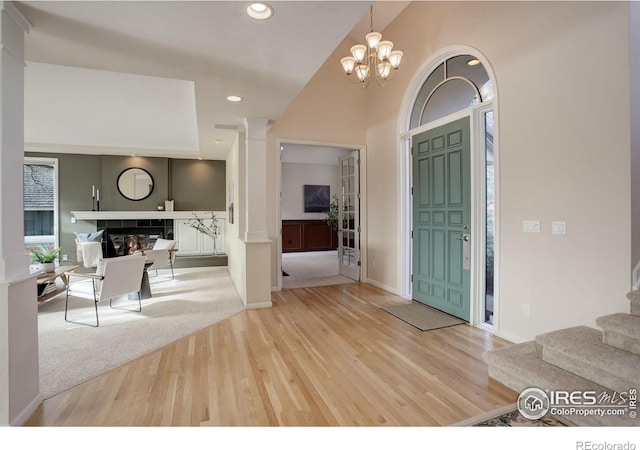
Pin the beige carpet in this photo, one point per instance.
(422, 316)
(71, 353)
(308, 269)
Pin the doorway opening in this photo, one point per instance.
(318, 182)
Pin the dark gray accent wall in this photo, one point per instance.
(195, 185)
(112, 167)
(198, 185)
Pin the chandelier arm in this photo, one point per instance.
(355, 80)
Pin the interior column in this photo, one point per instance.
(19, 377)
(256, 238)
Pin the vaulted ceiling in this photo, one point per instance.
(213, 44)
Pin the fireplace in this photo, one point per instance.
(127, 244)
(124, 237)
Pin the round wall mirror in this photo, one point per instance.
(135, 183)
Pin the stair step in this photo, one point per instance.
(621, 331)
(634, 298)
(580, 350)
(520, 366)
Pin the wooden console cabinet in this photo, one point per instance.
(307, 236)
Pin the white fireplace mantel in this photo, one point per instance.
(135, 215)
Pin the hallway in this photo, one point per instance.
(307, 269)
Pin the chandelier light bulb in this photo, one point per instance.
(348, 63)
(395, 57)
(384, 50)
(359, 51)
(362, 71)
(384, 69)
(372, 39)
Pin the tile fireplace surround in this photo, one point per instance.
(125, 236)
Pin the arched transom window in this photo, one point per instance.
(456, 84)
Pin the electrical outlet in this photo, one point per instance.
(73, 220)
(526, 309)
(65, 257)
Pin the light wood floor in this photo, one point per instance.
(326, 356)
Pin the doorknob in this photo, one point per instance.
(463, 237)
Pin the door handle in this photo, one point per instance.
(466, 251)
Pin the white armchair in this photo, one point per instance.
(114, 277)
(163, 255)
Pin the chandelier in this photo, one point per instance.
(376, 59)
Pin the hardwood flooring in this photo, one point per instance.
(325, 356)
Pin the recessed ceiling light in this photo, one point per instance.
(234, 98)
(260, 11)
(473, 62)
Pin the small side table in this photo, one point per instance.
(46, 278)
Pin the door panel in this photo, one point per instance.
(349, 216)
(441, 218)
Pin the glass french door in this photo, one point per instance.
(349, 216)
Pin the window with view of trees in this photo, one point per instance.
(40, 187)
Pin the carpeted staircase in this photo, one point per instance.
(578, 358)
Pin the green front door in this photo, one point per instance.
(442, 218)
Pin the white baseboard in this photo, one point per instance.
(27, 412)
(511, 337)
(259, 305)
(383, 286)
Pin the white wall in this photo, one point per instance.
(562, 77)
(563, 136)
(294, 177)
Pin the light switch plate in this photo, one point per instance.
(531, 226)
(558, 227)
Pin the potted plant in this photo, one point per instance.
(211, 229)
(332, 214)
(332, 219)
(44, 257)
